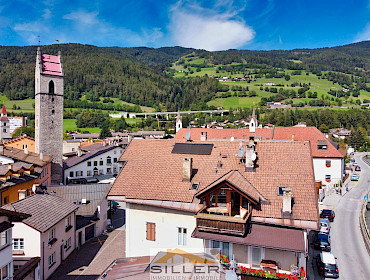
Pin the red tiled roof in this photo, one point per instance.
(4, 119)
(51, 65)
(311, 134)
(152, 172)
(216, 133)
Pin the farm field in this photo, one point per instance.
(70, 124)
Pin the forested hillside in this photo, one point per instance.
(141, 75)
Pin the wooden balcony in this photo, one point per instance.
(223, 224)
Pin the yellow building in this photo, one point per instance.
(22, 143)
(16, 181)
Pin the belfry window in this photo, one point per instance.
(51, 87)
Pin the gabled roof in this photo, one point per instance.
(19, 155)
(46, 210)
(90, 153)
(152, 172)
(238, 181)
(19, 138)
(13, 215)
(3, 111)
(93, 193)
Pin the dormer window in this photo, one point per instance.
(21, 174)
(322, 145)
(194, 185)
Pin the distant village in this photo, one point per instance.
(251, 191)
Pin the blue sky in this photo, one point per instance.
(211, 25)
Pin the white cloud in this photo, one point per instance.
(83, 17)
(47, 14)
(197, 27)
(364, 35)
(30, 31)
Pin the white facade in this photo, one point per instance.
(16, 122)
(328, 170)
(103, 164)
(6, 260)
(36, 244)
(167, 223)
(69, 147)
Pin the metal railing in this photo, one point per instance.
(364, 228)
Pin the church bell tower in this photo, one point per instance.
(49, 111)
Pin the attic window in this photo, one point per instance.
(280, 190)
(194, 185)
(322, 145)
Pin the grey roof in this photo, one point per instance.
(93, 193)
(45, 210)
(86, 135)
(72, 161)
(18, 154)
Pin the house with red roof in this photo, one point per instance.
(246, 198)
(327, 159)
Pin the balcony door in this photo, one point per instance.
(224, 247)
(257, 254)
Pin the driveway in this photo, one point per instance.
(88, 262)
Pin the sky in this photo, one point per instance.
(210, 25)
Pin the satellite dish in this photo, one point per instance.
(187, 136)
(232, 138)
(254, 156)
(241, 153)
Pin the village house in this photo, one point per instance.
(16, 181)
(41, 162)
(246, 198)
(92, 213)
(96, 161)
(49, 233)
(7, 218)
(328, 160)
(21, 143)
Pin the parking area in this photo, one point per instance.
(88, 262)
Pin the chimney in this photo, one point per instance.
(129, 138)
(26, 149)
(10, 166)
(287, 200)
(41, 156)
(292, 137)
(187, 167)
(1, 148)
(79, 152)
(203, 136)
(250, 156)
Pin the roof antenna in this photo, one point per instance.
(58, 46)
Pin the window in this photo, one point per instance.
(4, 238)
(115, 152)
(18, 244)
(109, 160)
(9, 177)
(115, 159)
(88, 172)
(21, 174)
(109, 170)
(101, 162)
(51, 259)
(89, 163)
(51, 234)
(224, 247)
(256, 256)
(4, 130)
(5, 272)
(79, 173)
(68, 221)
(51, 87)
(328, 178)
(221, 198)
(115, 169)
(150, 231)
(101, 172)
(71, 174)
(95, 163)
(328, 163)
(53, 111)
(68, 244)
(182, 236)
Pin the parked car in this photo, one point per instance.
(324, 222)
(355, 177)
(328, 214)
(324, 229)
(327, 265)
(322, 242)
(357, 168)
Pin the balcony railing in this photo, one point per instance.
(235, 225)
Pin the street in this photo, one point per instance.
(346, 240)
